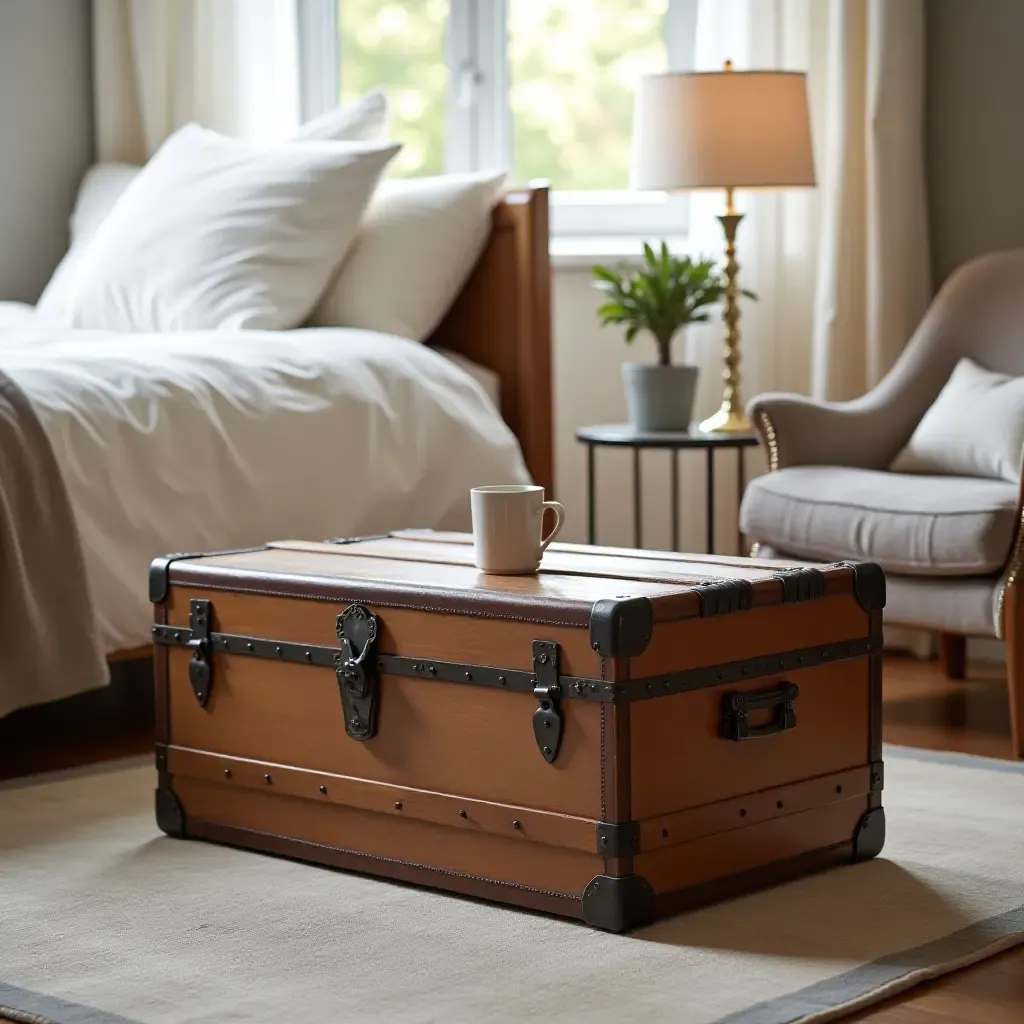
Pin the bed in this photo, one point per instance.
(499, 323)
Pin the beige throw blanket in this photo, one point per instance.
(49, 646)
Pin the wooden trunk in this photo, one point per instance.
(620, 736)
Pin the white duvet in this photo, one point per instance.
(210, 440)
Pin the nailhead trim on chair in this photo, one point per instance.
(770, 440)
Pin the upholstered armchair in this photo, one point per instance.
(952, 546)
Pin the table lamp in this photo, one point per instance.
(723, 129)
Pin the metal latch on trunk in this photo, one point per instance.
(356, 669)
(547, 719)
(200, 671)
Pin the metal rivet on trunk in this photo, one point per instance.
(398, 805)
(227, 773)
(517, 825)
(323, 789)
(462, 814)
(502, 680)
(267, 779)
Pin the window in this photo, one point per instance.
(543, 88)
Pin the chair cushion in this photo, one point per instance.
(918, 525)
(968, 605)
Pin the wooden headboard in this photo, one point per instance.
(502, 320)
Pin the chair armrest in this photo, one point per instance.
(799, 431)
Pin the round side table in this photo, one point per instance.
(621, 435)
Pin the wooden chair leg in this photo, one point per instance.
(953, 655)
(1014, 631)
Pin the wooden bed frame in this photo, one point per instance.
(501, 320)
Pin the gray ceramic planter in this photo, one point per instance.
(659, 397)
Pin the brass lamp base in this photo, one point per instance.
(731, 417)
(726, 421)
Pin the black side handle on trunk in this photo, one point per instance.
(736, 708)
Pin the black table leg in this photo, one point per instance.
(637, 505)
(711, 501)
(591, 513)
(675, 499)
(741, 484)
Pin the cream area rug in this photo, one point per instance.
(103, 920)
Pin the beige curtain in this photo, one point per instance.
(231, 65)
(874, 267)
(843, 270)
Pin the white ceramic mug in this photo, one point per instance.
(508, 524)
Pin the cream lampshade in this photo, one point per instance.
(725, 129)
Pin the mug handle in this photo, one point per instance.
(559, 519)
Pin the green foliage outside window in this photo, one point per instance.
(573, 65)
(400, 44)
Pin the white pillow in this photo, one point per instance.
(365, 120)
(974, 428)
(101, 188)
(419, 241)
(220, 233)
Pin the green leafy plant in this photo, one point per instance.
(667, 292)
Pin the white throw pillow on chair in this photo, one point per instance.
(975, 427)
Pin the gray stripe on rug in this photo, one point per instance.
(937, 958)
(27, 1007)
(991, 764)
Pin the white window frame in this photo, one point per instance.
(478, 119)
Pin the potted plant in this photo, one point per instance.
(664, 295)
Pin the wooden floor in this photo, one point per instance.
(922, 709)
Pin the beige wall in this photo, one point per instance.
(45, 135)
(975, 128)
